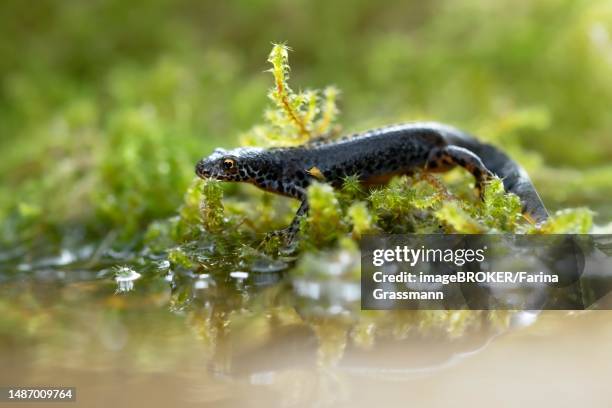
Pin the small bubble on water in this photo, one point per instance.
(125, 277)
(200, 284)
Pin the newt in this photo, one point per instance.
(374, 156)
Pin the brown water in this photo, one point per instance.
(250, 340)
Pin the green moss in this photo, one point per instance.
(212, 206)
(352, 189)
(502, 211)
(178, 258)
(324, 224)
(295, 117)
(457, 220)
(360, 219)
(569, 221)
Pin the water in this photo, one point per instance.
(143, 335)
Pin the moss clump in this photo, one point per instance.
(457, 219)
(211, 206)
(570, 221)
(360, 218)
(324, 223)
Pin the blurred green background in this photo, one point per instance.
(106, 105)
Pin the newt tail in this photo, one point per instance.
(515, 178)
(374, 157)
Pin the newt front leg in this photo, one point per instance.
(288, 235)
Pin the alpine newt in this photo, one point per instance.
(374, 156)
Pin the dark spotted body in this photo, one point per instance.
(374, 157)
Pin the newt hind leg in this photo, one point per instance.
(445, 158)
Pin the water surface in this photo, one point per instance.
(155, 337)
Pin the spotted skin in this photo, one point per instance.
(374, 157)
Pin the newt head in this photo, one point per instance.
(227, 165)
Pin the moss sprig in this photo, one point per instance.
(295, 117)
(211, 207)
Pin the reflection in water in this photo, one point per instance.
(237, 335)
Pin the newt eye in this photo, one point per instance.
(229, 164)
